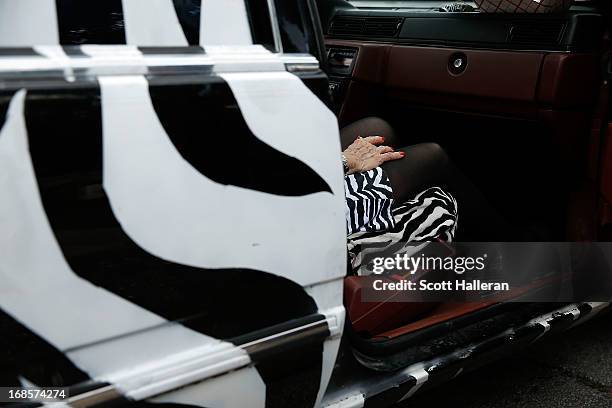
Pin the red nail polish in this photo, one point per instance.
(383, 138)
(403, 154)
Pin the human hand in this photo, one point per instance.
(366, 153)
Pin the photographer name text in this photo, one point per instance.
(447, 285)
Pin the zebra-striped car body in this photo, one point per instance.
(171, 221)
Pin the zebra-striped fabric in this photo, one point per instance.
(431, 215)
(369, 198)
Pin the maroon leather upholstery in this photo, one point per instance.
(372, 318)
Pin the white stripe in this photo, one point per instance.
(224, 22)
(546, 327)
(106, 59)
(57, 55)
(421, 376)
(432, 218)
(25, 23)
(113, 52)
(152, 23)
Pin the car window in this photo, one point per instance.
(154, 23)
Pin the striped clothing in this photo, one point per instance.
(374, 224)
(369, 198)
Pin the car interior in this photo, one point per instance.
(519, 101)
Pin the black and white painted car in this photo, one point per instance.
(172, 211)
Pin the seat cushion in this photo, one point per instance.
(372, 318)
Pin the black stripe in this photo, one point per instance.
(171, 50)
(74, 51)
(260, 23)
(5, 100)
(292, 379)
(205, 124)
(186, 71)
(103, 22)
(188, 13)
(278, 343)
(390, 396)
(18, 52)
(24, 353)
(90, 22)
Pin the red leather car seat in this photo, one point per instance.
(372, 318)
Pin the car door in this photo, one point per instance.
(171, 216)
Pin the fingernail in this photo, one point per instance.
(382, 138)
(403, 154)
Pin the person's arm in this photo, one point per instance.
(367, 153)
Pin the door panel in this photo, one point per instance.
(488, 74)
(569, 80)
